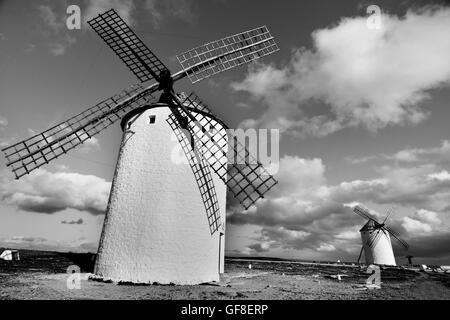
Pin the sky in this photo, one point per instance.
(363, 116)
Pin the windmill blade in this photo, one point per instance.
(202, 174)
(214, 141)
(227, 53)
(374, 240)
(363, 212)
(127, 45)
(397, 237)
(389, 212)
(244, 176)
(34, 152)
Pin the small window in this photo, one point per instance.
(152, 119)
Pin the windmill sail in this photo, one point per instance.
(380, 227)
(34, 152)
(372, 242)
(396, 236)
(363, 212)
(244, 176)
(202, 174)
(127, 45)
(224, 54)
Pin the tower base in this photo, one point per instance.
(156, 229)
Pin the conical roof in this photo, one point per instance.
(369, 226)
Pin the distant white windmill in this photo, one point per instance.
(376, 240)
(155, 228)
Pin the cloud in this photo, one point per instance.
(79, 221)
(60, 37)
(47, 192)
(405, 186)
(415, 226)
(41, 243)
(326, 247)
(60, 48)
(439, 154)
(4, 142)
(3, 122)
(162, 10)
(300, 212)
(89, 145)
(422, 222)
(30, 48)
(49, 17)
(159, 11)
(359, 160)
(260, 247)
(363, 77)
(444, 175)
(428, 216)
(125, 8)
(307, 214)
(22, 239)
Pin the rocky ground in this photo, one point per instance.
(43, 275)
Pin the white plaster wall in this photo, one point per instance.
(381, 252)
(156, 229)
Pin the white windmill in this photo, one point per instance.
(155, 228)
(376, 239)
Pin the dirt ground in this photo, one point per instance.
(43, 276)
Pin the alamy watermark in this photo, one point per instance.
(375, 276)
(74, 279)
(234, 146)
(73, 21)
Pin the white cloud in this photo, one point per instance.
(47, 192)
(89, 145)
(125, 8)
(49, 17)
(421, 222)
(302, 178)
(161, 10)
(444, 175)
(59, 37)
(434, 154)
(415, 226)
(439, 155)
(348, 235)
(23, 239)
(304, 212)
(359, 160)
(406, 156)
(3, 122)
(4, 142)
(30, 48)
(427, 216)
(372, 78)
(60, 48)
(326, 247)
(40, 243)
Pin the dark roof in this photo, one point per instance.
(369, 226)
